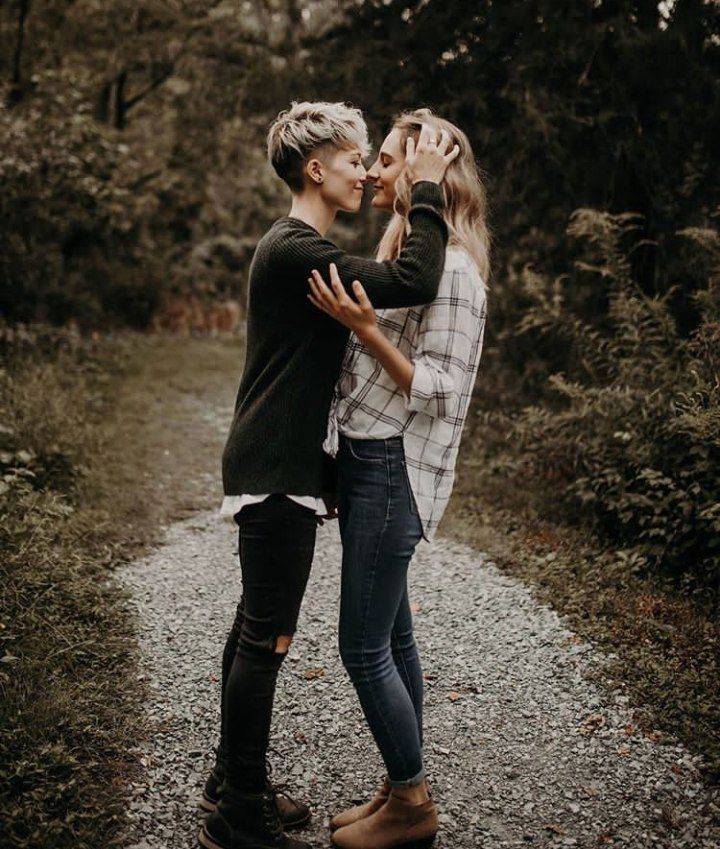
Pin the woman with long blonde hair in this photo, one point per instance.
(395, 426)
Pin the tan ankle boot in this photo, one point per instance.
(361, 811)
(396, 825)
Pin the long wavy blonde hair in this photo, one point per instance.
(463, 189)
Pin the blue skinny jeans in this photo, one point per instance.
(380, 528)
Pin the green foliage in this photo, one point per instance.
(133, 152)
(610, 105)
(67, 224)
(604, 105)
(133, 165)
(633, 442)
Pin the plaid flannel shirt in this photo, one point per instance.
(444, 341)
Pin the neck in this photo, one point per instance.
(312, 209)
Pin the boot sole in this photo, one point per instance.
(209, 843)
(425, 843)
(208, 806)
(288, 825)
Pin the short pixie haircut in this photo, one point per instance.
(304, 127)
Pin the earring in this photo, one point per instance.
(319, 180)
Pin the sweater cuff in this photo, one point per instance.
(427, 194)
(427, 197)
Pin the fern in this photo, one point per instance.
(635, 437)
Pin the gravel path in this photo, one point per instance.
(522, 750)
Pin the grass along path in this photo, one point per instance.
(124, 421)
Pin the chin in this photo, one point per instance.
(352, 207)
(379, 202)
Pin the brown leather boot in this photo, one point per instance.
(396, 825)
(361, 811)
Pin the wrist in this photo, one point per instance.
(367, 335)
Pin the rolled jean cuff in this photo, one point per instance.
(409, 782)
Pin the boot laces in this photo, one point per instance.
(277, 788)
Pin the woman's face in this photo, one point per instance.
(385, 171)
(343, 179)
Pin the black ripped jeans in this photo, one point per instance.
(277, 541)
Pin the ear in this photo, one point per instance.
(314, 170)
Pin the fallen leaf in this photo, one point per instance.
(588, 790)
(670, 817)
(453, 695)
(593, 723)
(556, 829)
(315, 672)
(415, 607)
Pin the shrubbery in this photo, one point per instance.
(71, 228)
(631, 439)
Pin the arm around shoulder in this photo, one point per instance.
(413, 278)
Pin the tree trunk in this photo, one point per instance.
(120, 105)
(16, 91)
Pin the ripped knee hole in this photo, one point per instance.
(282, 644)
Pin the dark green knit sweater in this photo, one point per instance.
(295, 351)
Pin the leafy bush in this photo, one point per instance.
(69, 225)
(632, 439)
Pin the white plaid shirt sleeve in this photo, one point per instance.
(446, 342)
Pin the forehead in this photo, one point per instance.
(351, 151)
(328, 153)
(392, 145)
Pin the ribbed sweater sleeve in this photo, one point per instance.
(413, 278)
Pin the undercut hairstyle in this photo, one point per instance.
(305, 127)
